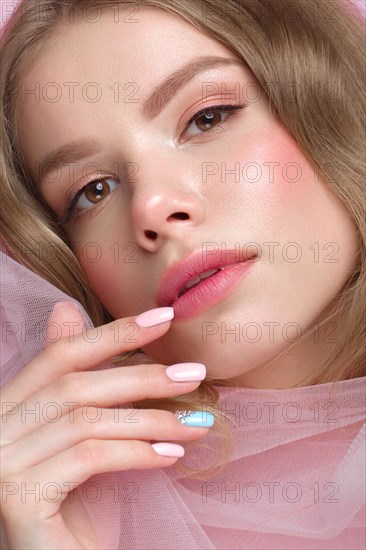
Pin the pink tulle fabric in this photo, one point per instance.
(295, 480)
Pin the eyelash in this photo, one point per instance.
(232, 110)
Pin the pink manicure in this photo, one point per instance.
(186, 372)
(154, 317)
(168, 449)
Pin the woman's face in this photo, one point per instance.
(168, 184)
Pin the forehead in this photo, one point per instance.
(70, 88)
(152, 44)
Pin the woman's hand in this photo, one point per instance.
(37, 451)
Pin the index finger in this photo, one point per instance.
(84, 351)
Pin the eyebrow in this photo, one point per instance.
(159, 98)
(165, 91)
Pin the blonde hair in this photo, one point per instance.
(306, 46)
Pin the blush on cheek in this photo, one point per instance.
(292, 177)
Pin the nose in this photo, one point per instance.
(164, 209)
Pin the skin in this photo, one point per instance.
(33, 456)
(276, 207)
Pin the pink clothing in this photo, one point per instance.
(295, 480)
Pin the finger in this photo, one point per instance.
(65, 319)
(80, 352)
(105, 388)
(78, 464)
(94, 423)
(64, 322)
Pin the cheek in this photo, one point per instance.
(112, 283)
(263, 182)
(280, 196)
(307, 211)
(109, 262)
(97, 263)
(294, 182)
(285, 175)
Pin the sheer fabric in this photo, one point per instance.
(295, 480)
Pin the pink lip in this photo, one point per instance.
(212, 290)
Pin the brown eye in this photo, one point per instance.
(88, 197)
(95, 192)
(208, 120)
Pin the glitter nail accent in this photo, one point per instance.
(181, 415)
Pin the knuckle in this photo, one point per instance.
(165, 420)
(10, 496)
(139, 453)
(82, 417)
(72, 385)
(90, 452)
(6, 455)
(63, 351)
(149, 377)
(79, 417)
(57, 349)
(8, 479)
(88, 420)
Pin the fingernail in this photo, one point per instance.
(154, 317)
(186, 372)
(168, 449)
(198, 419)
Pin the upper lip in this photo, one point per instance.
(178, 275)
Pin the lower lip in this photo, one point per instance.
(211, 291)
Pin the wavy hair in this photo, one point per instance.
(304, 44)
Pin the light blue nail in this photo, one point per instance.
(199, 419)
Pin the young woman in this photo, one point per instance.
(187, 177)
